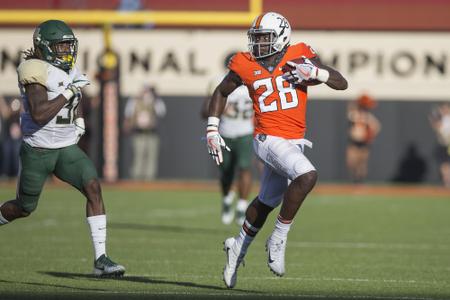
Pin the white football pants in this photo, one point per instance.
(283, 161)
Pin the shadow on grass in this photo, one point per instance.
(52, 285)
(144, 279)
(219, 293)
(167, 228)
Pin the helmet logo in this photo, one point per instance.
(283, 25)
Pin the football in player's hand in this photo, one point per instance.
(288, 68)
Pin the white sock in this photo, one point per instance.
(281, 229)
(228, 199)
(3, 221)
(97, 224)
(241, 206)
(243, 240)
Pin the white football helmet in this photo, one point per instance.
(269, 34)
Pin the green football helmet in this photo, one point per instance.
(55, 43)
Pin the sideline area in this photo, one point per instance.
(212, 186)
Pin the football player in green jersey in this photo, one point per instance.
(52, 124)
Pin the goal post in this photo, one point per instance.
(165, 18)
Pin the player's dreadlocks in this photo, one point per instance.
(30, 54)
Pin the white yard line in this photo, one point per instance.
(364, 245)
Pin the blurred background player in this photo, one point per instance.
(440, 122)
(10, 137)
(236, 128)
(52, 124)
(279, 100)
(363, 128)
(142, 115)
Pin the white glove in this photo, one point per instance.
(80, 128)
(305, 71)
(74, 89)
(73, 94)
(81, 81)
(214, 141)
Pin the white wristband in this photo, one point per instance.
(68, 94)
(213, 121)
(323, 75)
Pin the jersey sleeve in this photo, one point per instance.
(32, 71)
(307, 50)
(239, 66)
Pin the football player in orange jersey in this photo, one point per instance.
(277, 75)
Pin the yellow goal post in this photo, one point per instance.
(167, 18)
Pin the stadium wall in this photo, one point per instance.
(403, 152)
(407, 72)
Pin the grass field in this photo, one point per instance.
(340, 247)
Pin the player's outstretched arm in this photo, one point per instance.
(214, 141)
(219, 97)
(335, 79)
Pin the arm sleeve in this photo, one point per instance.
(240, 68)
(307, 50)
(233, 65)
(32, 71)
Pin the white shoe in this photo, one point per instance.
(105, 267)
(227, 215)
(227, 209)
(232, 264)
(276, 248)
(241, 208)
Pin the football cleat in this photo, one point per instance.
(227, 209)
(234, 259)
(227, 214)
(105, 267)
(241, 207)
(276, 249)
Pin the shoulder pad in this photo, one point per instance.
(33, 71)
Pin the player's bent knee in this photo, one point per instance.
(306, 181)
(311, 177)
(92, 187)
(13, 210)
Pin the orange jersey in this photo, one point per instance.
(280, 108)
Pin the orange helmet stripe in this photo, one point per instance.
(258, 21)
